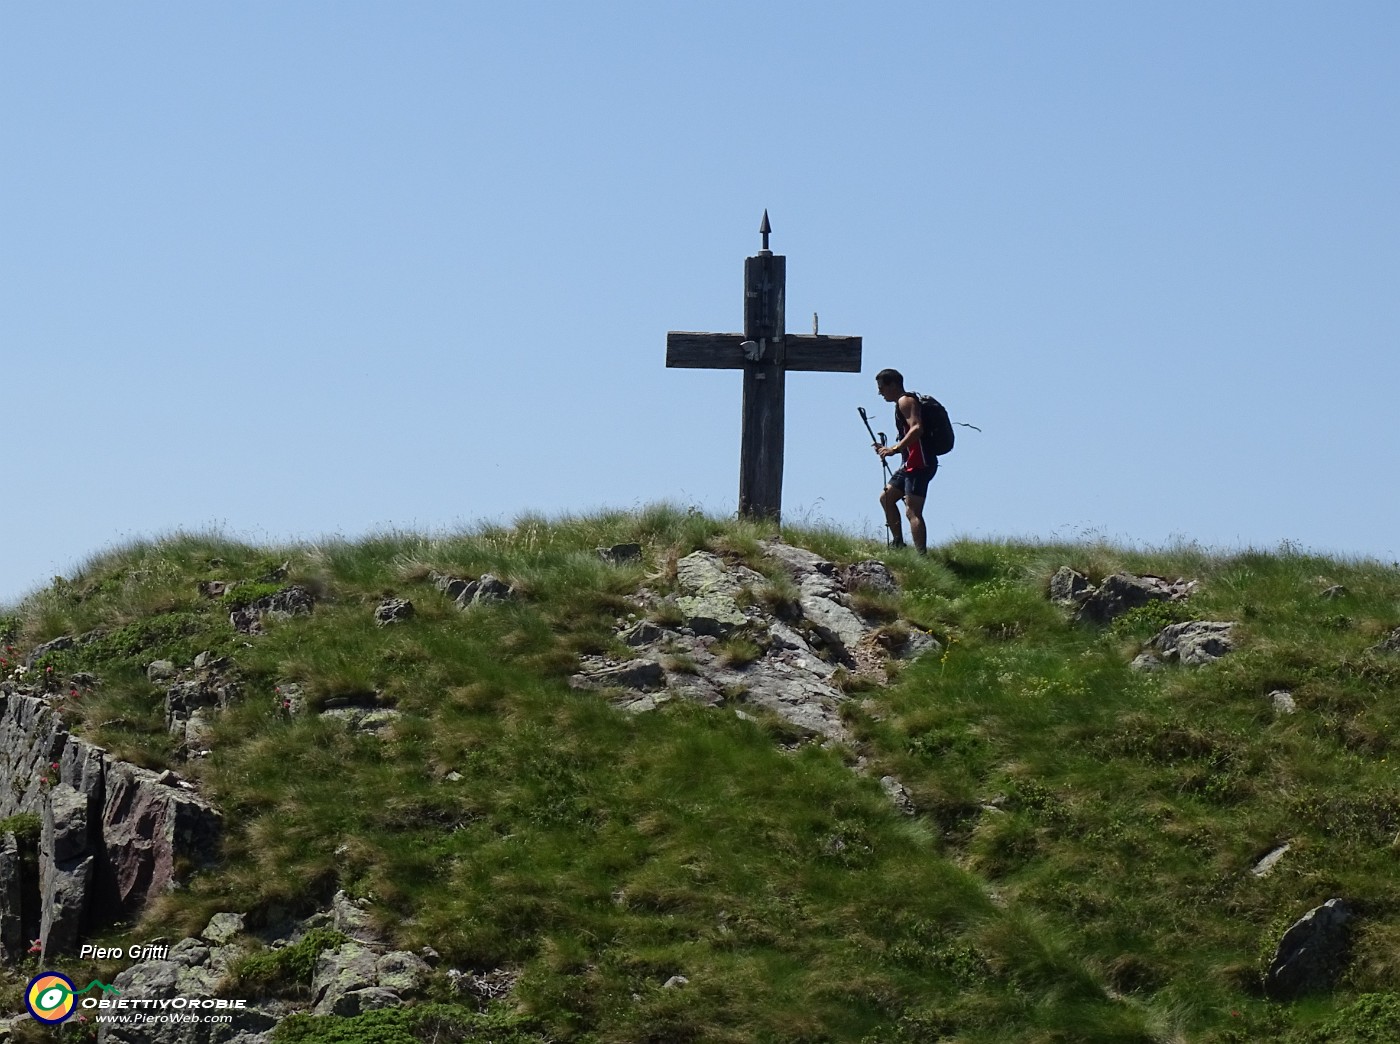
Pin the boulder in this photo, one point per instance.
(452, 586)
(147, 828)
(352, 919)
(640, 634)
(620, 553)
(393, 610)
(349, 967)
(898, 793)
(1070, 587)
(1283, 702)
(1124, 591)
(599, 673)
(1312, 953)
(870, 575)
(282, 605)
(223, 928)
(403, 972)
(1195, 642)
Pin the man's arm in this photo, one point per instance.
(908, 407)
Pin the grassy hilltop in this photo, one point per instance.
(1078, 870)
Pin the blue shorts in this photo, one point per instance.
(913, 483)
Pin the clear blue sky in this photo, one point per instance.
(299, 269)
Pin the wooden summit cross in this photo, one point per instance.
(765, 352)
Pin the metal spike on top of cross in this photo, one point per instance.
(765, 352)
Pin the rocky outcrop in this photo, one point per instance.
(485, 589)
(283, 605)
(113, 834)
(1118, 594)
(1312, 953)
(728, 648)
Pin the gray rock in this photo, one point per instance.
(1389, 644)
(162, 980)
(351, 918)
(223, 928)
(159, 671)
(799, 561)
(452, 586)
(66, 865)
(357, 1002)
(1283, 702)
(899, 794)
(1334, 592)
(870, 575)
(393, 610)
(703, 573)
(1146, 662)
(1312, 953)
(283, 605)
(1070, 587)
(620, 553)
(403, 972)
(346, 969)
(712, 613)
(190, 705)
(1124, 591)
(640, 634)
(15, 904)
(821, 605)
(918, 643)
(59, 644)
(1265, 865)
(1195, 642)
(632, 674)
(675, 982)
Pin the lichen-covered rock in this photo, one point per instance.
(349, 967)
(1195, 642)
(403, 972)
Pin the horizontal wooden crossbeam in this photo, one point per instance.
(720, 351)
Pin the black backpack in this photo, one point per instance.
(937, 437)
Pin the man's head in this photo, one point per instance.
(890, 384)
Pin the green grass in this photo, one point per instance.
(1078, 869)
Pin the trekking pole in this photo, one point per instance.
(889, 477)
(880, 441)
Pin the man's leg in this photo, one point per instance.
(914, 508)
(889, 500)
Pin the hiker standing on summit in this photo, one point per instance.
(909, 483)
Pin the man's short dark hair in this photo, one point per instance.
(887, 377)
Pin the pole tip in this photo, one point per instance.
(765, 228)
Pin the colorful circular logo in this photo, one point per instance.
(50, 997)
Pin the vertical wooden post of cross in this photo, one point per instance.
(761, 441)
